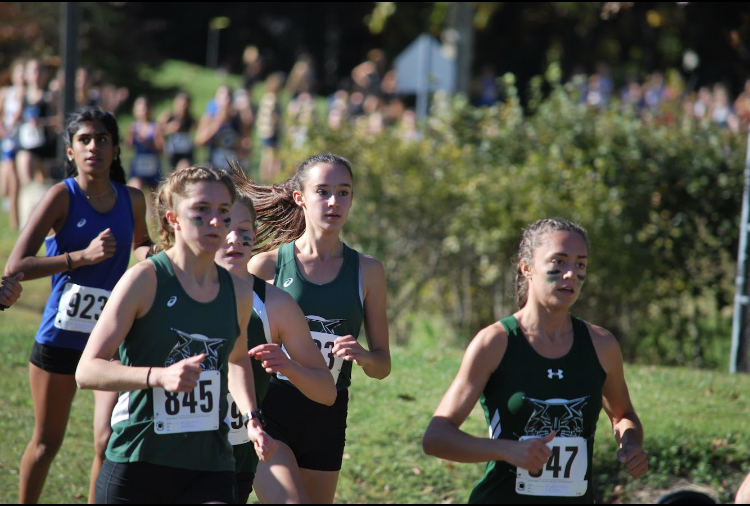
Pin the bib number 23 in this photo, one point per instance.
(80, 307)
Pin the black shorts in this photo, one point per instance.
(244, 486)
(316, 433)
(145, 483)
(54, 359)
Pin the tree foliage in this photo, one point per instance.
(660, 197)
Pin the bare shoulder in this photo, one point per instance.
(488, 347)
(263, 265)
(136, 196)
(278, 298)
(373, 272)
(606, 346)
(141, 276)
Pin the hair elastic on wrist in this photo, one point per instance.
(148, 375)
(68, 261)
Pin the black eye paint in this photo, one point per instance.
(196, 221)
(553, 276)
(227, 222)
(581, 278)
(248, 241)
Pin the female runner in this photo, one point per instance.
(88, 223)
(542, 377)
(180, 323)
(337, 289)
(276, 321)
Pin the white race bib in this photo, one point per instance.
(148, 165)
(564, 474)
(325, 341)
(180, 143)
(80, 307)
(237, 430)
(195, 411)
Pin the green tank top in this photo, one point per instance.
(332, 309)
(258, 332)
(180, 430)
(529, 395)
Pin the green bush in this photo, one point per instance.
(659, 195)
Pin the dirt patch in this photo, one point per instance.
(649, 495)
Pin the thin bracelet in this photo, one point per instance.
(68, 261)
(147, 377)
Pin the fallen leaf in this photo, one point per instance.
(417, 470)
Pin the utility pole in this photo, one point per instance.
(738, 361)
(461, 31)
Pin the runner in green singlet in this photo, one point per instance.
(276, 321)
(542, 377)
(180, 322)
(338, 290)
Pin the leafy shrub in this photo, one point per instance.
(660, 197)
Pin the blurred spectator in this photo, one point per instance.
(742, 107)
(720, 108)
(269, 127)
(485, 89)
(37, 135)
(703, 103)
(177, 129)
(252, 73)
(145, 138)
(302, 76)
(222, 129)
(300, 115)
(368, 75)
(338, 106)
(11, 112)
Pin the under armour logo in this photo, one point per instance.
(558, 374)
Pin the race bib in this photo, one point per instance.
(325, 342)
(564, 475)
(147, 165)
(194, 411)
(80, 307)
(237, 430)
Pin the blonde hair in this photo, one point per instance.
(532, 239)
(244, 185)
(174, 188)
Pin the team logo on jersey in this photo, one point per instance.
(563, 416)
(288, 282)
(551, 374)
(495, 427)
(172, 301)
(325, 326)
(81, 223)
(189, 345)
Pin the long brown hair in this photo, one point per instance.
(176, 186)
(280, 219)
(532, 238)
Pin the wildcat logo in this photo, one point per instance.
(326, 326)
(563, 416)
(558, 374)
(189, 345)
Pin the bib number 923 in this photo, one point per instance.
(194, 411)
(80, 307)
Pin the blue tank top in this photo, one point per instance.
(78, 296)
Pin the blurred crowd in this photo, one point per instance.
(233, 125)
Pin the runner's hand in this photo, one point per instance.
(265, 446)
(634, 458)
(349, 349)
(531, 454)
(272, 358)
(10, 289)
(101, 248)
(180, 377)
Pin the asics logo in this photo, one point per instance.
(172, 301)
(81, 223)
(558, 374)
(288, 282)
